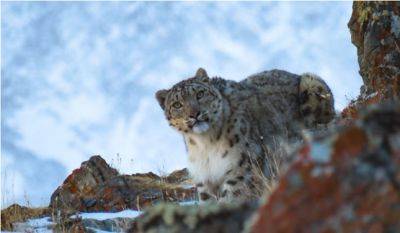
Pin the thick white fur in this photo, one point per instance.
(205, 159)
(201, 127)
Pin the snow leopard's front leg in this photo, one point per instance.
(205, 193)
(237, 185)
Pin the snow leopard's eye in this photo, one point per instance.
(200, 94)
(177, 105)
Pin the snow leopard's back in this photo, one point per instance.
(309, 99)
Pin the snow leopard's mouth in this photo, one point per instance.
(200, 127)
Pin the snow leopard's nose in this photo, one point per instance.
(194, 114)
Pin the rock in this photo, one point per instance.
(150, 175)
(347, 182)
(178, 176)
(375, 31)
(211, 218)
(16, 213)
(95, 186)
(136, 192)
(80, 187)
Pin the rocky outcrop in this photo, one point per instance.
(130, 192)
(95, 186)
(347, 182)
(80, 185)
(375, 31)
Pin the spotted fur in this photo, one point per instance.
(230, 127)
(316, 100)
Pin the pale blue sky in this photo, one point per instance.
(79, 78)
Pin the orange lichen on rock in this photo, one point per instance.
(96, 186)
(356, 190)
(375, 31)
(350, 143)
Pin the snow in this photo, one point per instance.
(189, 203)
(40, 225)
(122, 214)
(43, 225)
(39, 222)
(105, 215)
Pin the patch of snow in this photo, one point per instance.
(39, 222)
(104, 215)
(189, 203)
(187, 186)
(41, 225)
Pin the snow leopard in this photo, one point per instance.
(230, 128)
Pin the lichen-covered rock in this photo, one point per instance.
(375, 31)
(207, 218)
(82, 184)
(95, 186)
(178, 176)
(347, 182)
(137, 192)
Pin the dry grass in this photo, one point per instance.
(16, 213)
(276, 161)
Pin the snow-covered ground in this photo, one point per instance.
(43, 225)
(103, 216)
(39, 225)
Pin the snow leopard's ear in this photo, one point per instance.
(202, 74)
(161, 96)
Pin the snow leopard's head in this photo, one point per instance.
(192, 105)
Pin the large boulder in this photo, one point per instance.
(136, 192)
(80, 186)
(347, 182)
(375, 31)
(95, 186)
